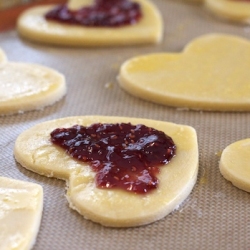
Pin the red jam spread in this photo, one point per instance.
(122, 155)
(104, 13)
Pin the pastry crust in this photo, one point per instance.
(112, 207)
(21, 206)
(205, 76)
(32, 25)
(234, 164)
(233, 10)
(26, 87)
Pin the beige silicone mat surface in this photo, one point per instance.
(215, 216)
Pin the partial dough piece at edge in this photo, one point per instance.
(232, 11)
(234, 164)
(3, 57)
(28, 200)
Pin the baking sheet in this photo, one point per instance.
(216, 214)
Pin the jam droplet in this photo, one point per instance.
(103, 13)
(123, 155)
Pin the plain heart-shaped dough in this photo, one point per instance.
(234, 10)
(21, 206)
(112, 207)
(234, 164)
(33, 26)
(26, 86)
(212, 73)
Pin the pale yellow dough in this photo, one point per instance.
(194, 1)
(21, 206)
(34, 26)
(238, 11)
(112, 207)
(3, 57)
(234, 164)
(26, 87)
(212, 73)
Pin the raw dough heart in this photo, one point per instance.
(34, 26)
(235, 10)
(211, 74)
(234, 164)
(21, 205)
(26, 86)
(112, 207)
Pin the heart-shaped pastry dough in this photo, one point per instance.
(212, 73)
(26, 86)
(234, 10)
(34, 26)
(21, 206)
(112, 207)
(234, 164)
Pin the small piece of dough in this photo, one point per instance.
(234, 164)
(194, 1)
(26, 86)
(112, 207)
(233, 10)
(21, 206)
(3, 57)
(212, 73)
(32, 25)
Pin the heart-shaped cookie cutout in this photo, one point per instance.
(21, 206)
(212, 73)
(234, 164)
(25, 86)
(234, 10)
(33, 25)
(112, 207)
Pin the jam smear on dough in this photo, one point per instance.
(103, 13)
(123, 155)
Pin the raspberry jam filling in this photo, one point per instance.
(103, 13)
(124, 156)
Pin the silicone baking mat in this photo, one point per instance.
(215, 216)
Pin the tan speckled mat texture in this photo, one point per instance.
(215, 216)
